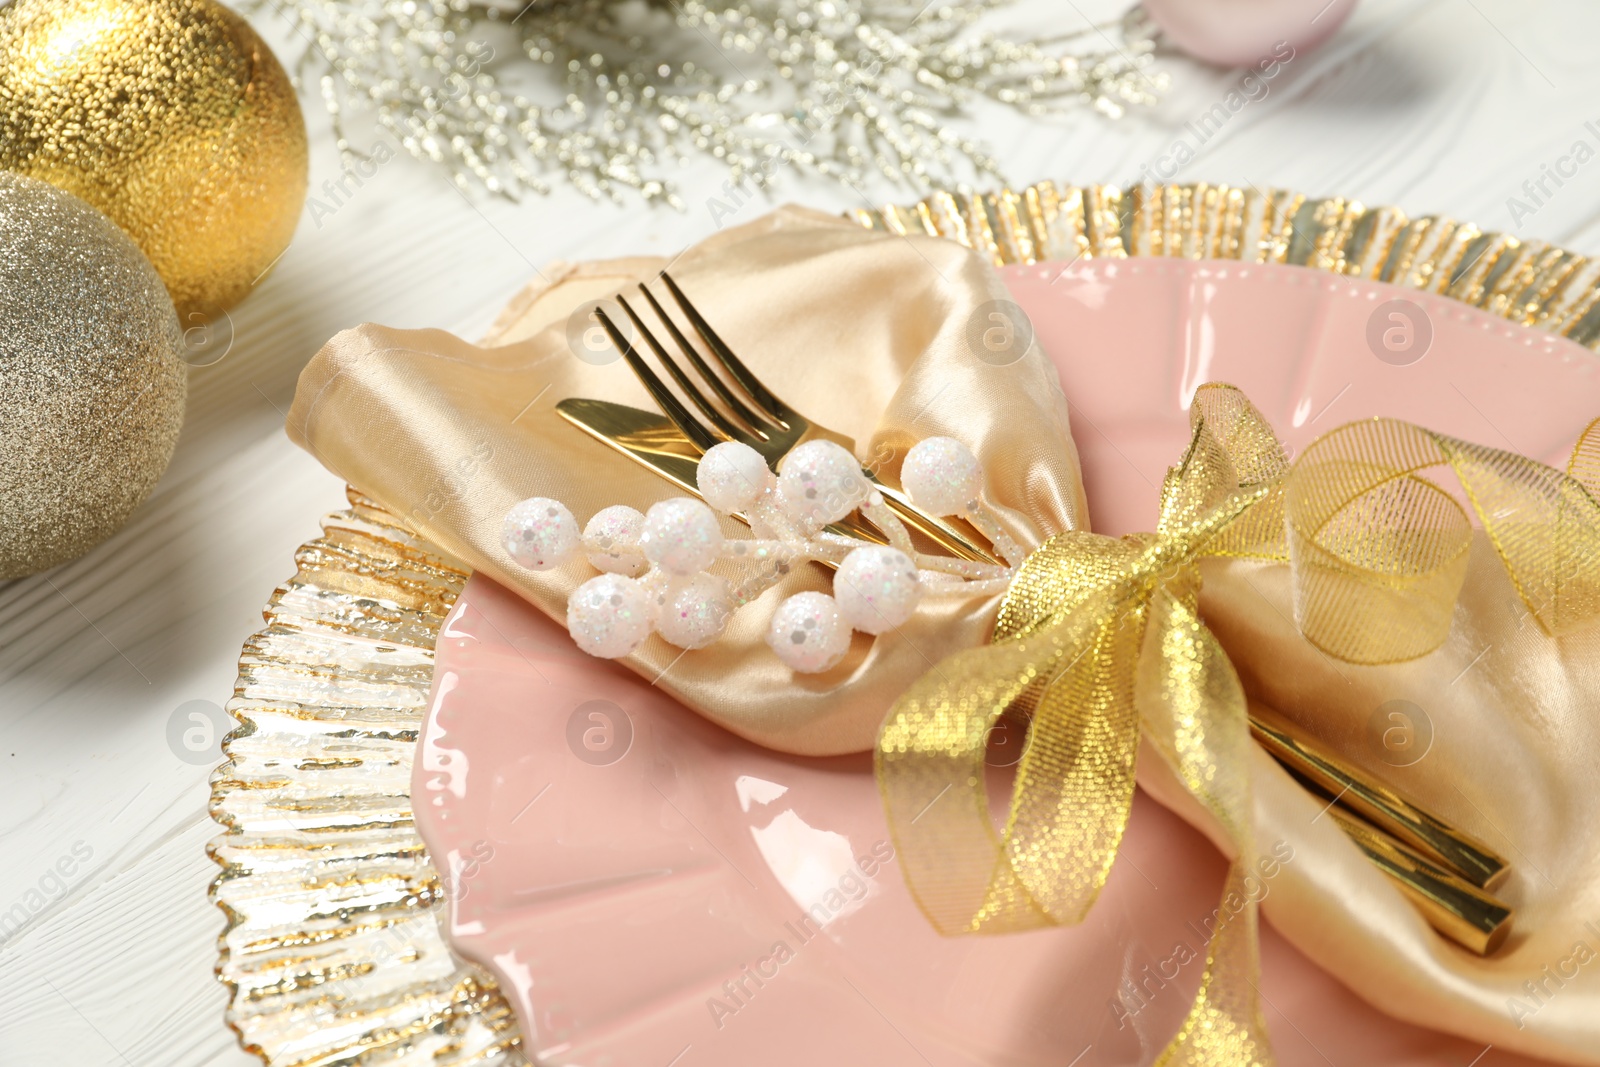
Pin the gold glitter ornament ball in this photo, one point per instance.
(170, 116)
(92, 381)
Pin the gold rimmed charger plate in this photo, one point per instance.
(1528, 282)
(334, 951)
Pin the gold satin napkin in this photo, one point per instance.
(866, 333)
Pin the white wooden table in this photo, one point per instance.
(1444, 106)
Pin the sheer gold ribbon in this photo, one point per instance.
(1100, 641)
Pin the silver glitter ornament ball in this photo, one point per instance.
(92, 382)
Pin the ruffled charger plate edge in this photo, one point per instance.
(333, 951)
(1529, 282)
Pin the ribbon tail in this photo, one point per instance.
(1073, 673)
(1194, 712)
(1074, 786)
(1224, 1027)
(932, 776)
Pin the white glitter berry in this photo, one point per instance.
(820, 483)
(694, 611)
(942, 475)
(608, 533)
(732, 476)
(808, 634)
(609, 616)
(876, 588)
(539, 533)
(681, 536)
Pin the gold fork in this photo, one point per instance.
(757, 418)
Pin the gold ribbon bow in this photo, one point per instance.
(1100, 640)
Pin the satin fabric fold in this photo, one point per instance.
(870, 335)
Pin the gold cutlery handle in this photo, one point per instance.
(1454, 849)
(1460, 911)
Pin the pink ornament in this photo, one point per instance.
(1259, 34)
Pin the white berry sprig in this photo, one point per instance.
(656, 565)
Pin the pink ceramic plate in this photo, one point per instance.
(654, 892)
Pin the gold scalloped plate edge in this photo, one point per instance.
(1528, 282)
(333, 952)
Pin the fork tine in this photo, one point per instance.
(724, 427)
(763, 397)
(712, 378)
(663, 396)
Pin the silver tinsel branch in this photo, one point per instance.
(605, 92)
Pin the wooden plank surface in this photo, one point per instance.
(1444, 106)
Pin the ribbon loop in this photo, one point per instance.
(1232, 449)
(1379, 552)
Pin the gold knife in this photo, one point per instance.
(642, 436)
(651, 441)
